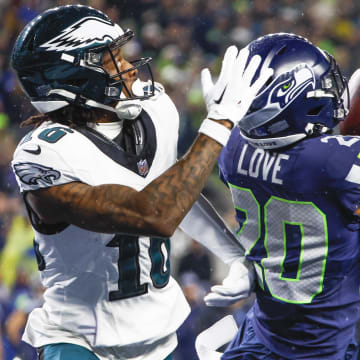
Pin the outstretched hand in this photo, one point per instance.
(234, 91)
(238, 285)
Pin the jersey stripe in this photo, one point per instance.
(354, 174)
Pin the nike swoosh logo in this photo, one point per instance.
(34, 151)
(220, 98)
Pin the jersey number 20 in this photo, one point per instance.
(273, 223)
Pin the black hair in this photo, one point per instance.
(72, 116)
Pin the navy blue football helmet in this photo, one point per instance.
(303, 97)
(58, 60)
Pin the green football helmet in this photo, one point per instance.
(58, 60)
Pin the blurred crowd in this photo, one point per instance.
(182, 37)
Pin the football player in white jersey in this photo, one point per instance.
(103, 191)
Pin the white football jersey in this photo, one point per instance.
(112, 290)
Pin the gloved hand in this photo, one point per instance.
(217, 335)
(238, 285)
(231, 96)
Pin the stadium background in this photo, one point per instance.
(182, 36)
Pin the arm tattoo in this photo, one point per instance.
(156, 210)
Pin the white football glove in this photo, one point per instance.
(217, 335)
(238, 285)
(231, 96)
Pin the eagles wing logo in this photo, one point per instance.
(36, 174)
(83, 33)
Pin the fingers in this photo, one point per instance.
(226, 72)
(206, 81)
(264, 76)
(244, 75)
(227, 64)
(251, 69)
(213, 299)
(241, 61)
(228, 290)
(239, 81)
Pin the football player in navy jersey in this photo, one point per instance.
(103, 191)
(296, 192)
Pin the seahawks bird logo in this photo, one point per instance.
(85, 32)
(36, 174)
(289, 85)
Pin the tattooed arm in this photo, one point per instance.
(156, 210)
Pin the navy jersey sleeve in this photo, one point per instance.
(343, 170)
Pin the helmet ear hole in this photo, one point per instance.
(315, 110)
(282, 50)
(78, 82)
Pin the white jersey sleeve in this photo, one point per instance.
(40, 166)
(204, 224)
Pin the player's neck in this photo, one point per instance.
(107, 117)
(109, 129)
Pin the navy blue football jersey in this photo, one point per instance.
(296, 214)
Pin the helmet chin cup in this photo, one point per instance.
(128, 109)
(137, 88)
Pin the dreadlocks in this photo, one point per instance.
(72, 116)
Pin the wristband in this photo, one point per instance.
(216, 131)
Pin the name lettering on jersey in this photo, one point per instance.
(341, 140)
(262, 163)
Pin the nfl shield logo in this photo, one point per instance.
(143, 167)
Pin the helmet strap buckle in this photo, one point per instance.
(315, 129)
(112, 92)
(80, 100)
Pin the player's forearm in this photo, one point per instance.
(160, 207)
(173, 194)
(156, 210)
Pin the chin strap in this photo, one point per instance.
(124, 109)
(316, 129)
(131, 109)
(128, 110)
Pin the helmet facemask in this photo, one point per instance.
(116, 83)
